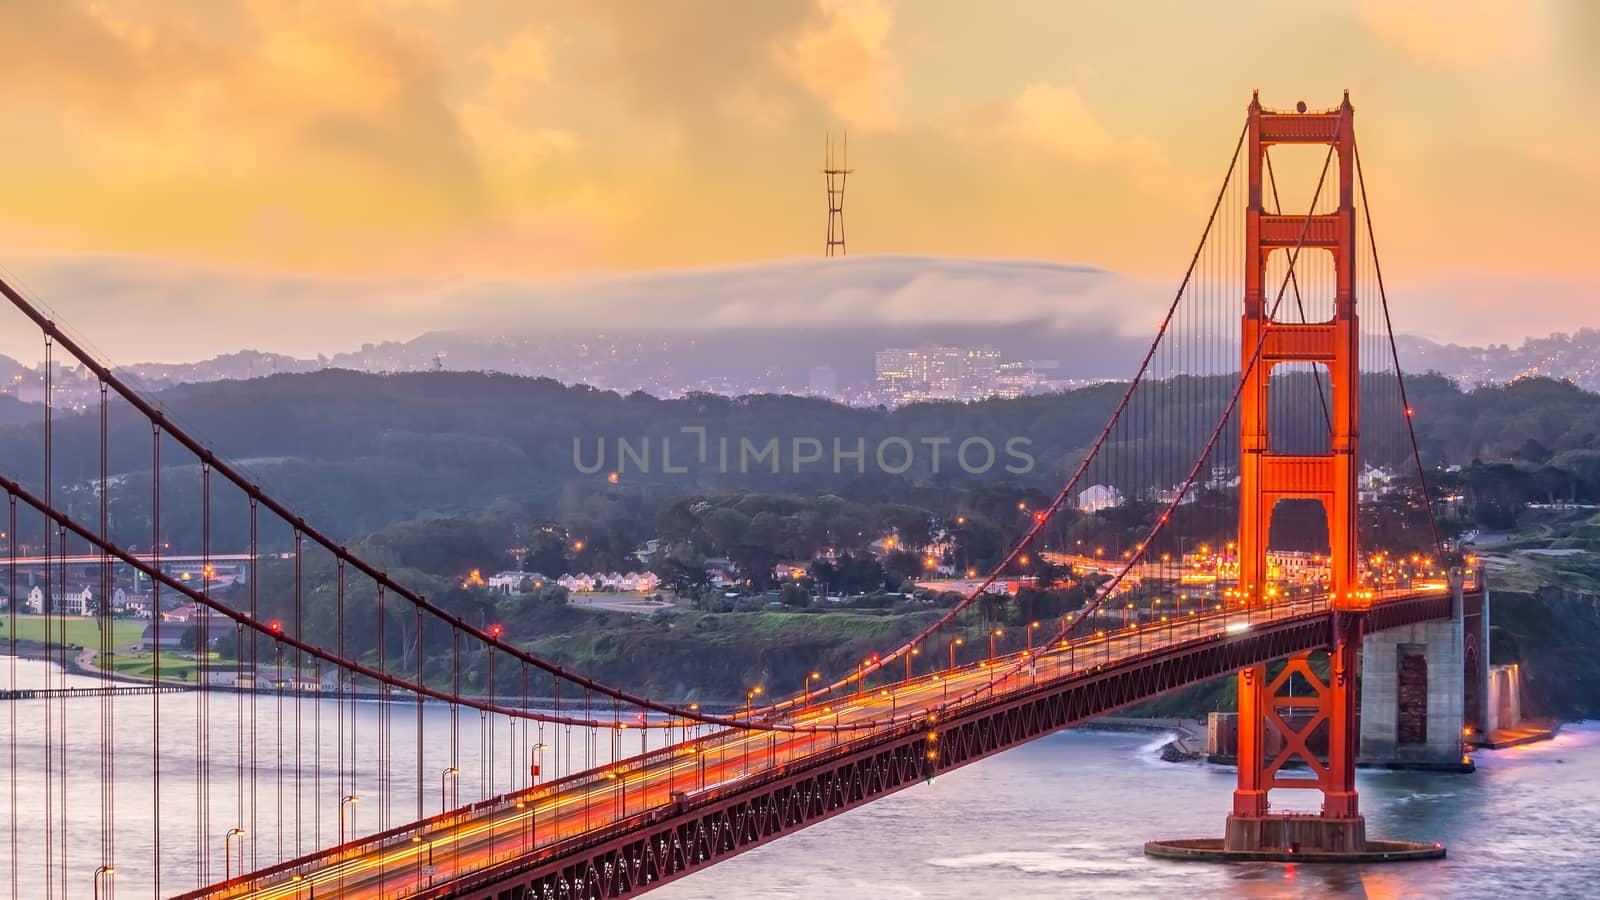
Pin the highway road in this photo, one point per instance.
(410, 863)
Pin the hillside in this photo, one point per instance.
(15, 412)
(357, 452)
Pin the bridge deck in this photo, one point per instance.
(571, 838)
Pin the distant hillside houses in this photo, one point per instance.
(75, 600)
(515, 582)
(1374, 482)
(631, 582)
(1099, 496)
(80, 600)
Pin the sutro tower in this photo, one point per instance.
(836, 172)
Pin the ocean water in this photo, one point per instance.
(1065, 816)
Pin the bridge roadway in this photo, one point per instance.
(495, 834)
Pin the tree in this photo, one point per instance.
(904, 564)
(1533, 451)
(547, 552)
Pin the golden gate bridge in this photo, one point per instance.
(258, 793)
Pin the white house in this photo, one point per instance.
(1375, 481)
(1099, 496)
(507, 582)
(643, 582)
(1175, 496)
(580, 583)
(1375, 478)
(78, 600)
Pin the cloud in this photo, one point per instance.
(674, 61)
(1458, 32)
(429, 137)
(1056, 117)
(166, 311)
(845, 62)
(267, 105)
(306, 315)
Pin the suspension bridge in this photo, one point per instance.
(1270, 402)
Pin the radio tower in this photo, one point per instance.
(836, 172)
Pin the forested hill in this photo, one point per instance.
(15, 412)
(358, 451)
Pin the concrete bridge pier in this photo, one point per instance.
(1423, 688)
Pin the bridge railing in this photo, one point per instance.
(520, 860)
(755, 765)
(404, 834)
(757, 770)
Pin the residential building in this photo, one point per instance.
(1097, 497)
(581, 583)
(508, 582)
(78, 600)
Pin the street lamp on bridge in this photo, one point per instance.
(227, 852)
(348, 800)
(861, 677)
(806, 701)
(107, 871)
(533, 762)
(444, 787)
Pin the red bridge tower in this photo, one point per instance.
(1267, 476)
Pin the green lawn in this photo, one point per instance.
(83, 631)
(174, 666)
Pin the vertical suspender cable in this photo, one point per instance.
(1405, 403)
(51, 594)
(11, 611)
(155, 655)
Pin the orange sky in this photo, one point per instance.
(442, 139)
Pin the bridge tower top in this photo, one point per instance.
(1268, 474)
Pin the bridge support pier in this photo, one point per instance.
(1414, 693)
(1312, 720)
(1299, 717)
